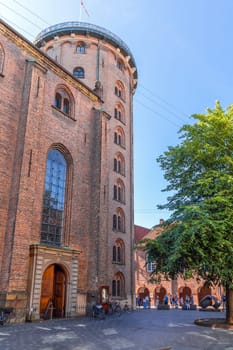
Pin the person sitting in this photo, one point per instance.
(165, 299)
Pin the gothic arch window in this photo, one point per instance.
(54, 199)
(119, 191)
(118, 222)
(119, 164)
(63, 101)
(119, 137)
(118, 285)
(119, 90)
(81, 47)
(79, 73)
(2, 59)
(118, 252)
(119, 112)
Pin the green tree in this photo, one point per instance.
(198, 237)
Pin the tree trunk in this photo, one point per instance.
(229, 305)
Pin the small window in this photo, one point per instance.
(79, 73)
(119, 90)
(118, 252)
(119, 112)
(150, 265)
(81, 47)
(119, 191)
(119, 137)
(120, 65)
(118, 285)
(119, 164)
(119, 221)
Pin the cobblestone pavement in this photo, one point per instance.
(141, 330)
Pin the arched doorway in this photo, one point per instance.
(183, 293)
(142, 293)
(53, 292)
(160, 293)
(202, 292)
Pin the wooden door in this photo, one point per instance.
(53, 288)
(47, 288)
(59, 293)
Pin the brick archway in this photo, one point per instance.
(160, 293)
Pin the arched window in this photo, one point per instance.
(54, 199)
(119, 112)
(118, 252)
(62, 101)
(119, 136)
(81, 47)
(119, 90)
(118, 222)
(79, 73)
(2, 58)
(119, 164)
(118, 285)
(119, 191)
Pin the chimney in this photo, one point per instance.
(161, 221)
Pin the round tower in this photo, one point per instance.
(104, 63)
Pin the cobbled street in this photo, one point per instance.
(142, 329)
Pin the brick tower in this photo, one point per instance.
(72, 170)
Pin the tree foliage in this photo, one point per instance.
(198, 237)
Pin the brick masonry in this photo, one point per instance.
(31, 126)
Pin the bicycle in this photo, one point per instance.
(114, 308)
(5, 315)
(127, 307)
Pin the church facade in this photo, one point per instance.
(66, 169)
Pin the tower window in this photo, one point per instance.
(79, 73)
(81, 47)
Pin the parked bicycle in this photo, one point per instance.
(98, 311)
(114, 308)
(5, 315)
(127, 307)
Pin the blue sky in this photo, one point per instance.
(183, 50)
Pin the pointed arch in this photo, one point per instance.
(119, 136)
(119, 220)
(119, 191)
(119, 90)
(118, 252)
(64, 100)
(118, 285)
(119, 163)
